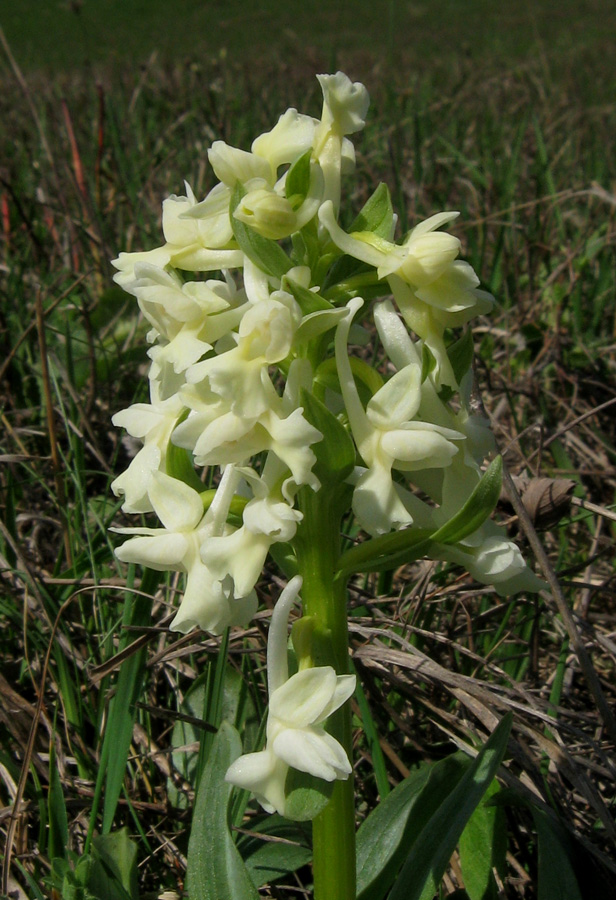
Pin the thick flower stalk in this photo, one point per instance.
(264, 432)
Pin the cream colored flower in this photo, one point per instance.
(209, 602)
(298, 710)
(433, 289)
(388, 437)
(152, 423)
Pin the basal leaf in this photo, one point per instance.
(114, 875)
(385, 837)
(557, 879)
(483, 847)
(216, 870)
(267, 860)
(430, 854)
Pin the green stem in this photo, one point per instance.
(324, 600)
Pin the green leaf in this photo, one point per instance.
(236, 706)
(556, 876)
(428, 362)
(376, 217)
(483, 847)
(316, 324)
(371, 734)
(215, 868)
(388, 551)
(60, 870)
(297, 182)
(385, 837)
(76, 884)
(113, 875)
(267, 860)
(122, 709)
(308, 301)
(430, 854)
(179, 462)
(335, 452)
(477, 508)
(461, 355)
(305, 795)
(368, 381)
(377, 214)
(268, 255)
(56, 811)
(284, 556)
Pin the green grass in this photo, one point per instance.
(512, 121)
(61, 35)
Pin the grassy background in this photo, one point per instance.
(508, 116)
(61, 36)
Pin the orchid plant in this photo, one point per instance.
(254, 301)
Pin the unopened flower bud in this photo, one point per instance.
(270, 214)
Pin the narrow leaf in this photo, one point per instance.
(483, 847)
(557, 880)
(309, 301)
(215, 868)
(122, 709)
(377, 217)
(477, 508)
(391, 550)
(179, 462)
(426, 863)
(385, 552)
(385, 837)
(56, 811)
(428, 362)
(372, 739)
(461, 355)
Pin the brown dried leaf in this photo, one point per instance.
(546, 500)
